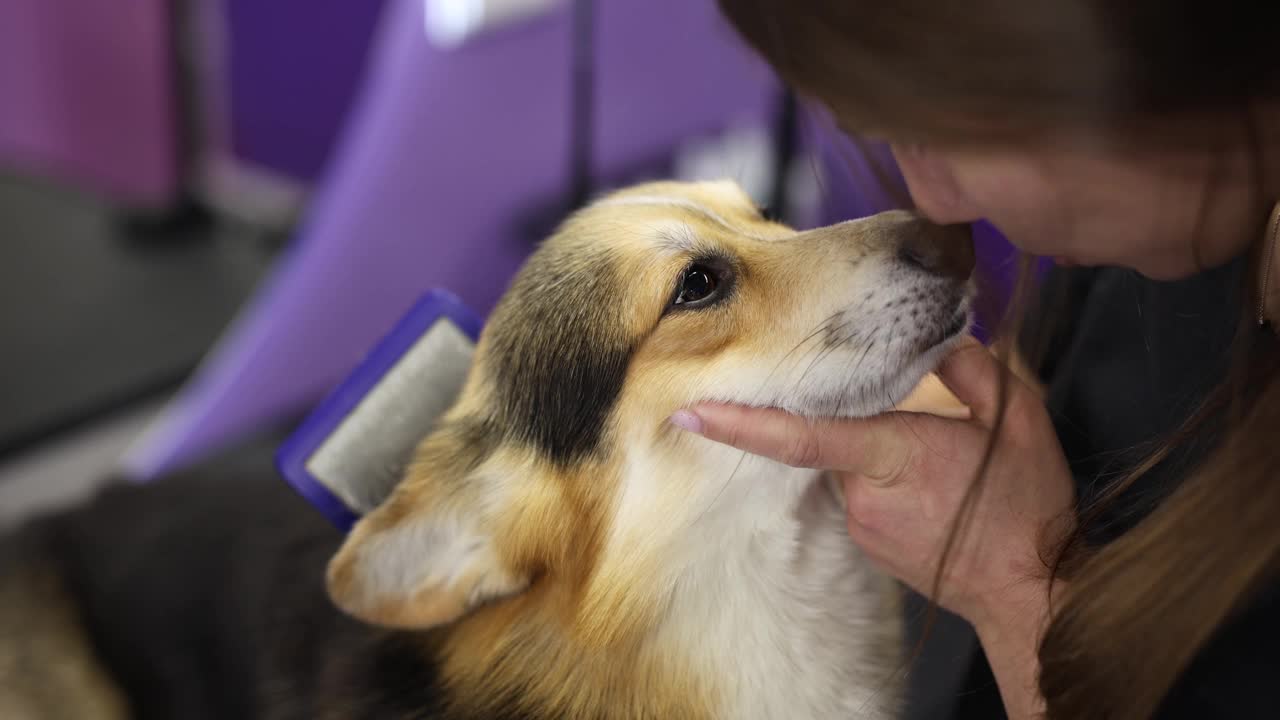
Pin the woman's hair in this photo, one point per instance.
(1170, 73)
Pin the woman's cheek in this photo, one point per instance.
(1012, 189)
(1017, 196)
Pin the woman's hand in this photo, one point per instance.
(905, 475)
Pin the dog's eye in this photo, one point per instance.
(699, 283)
(708, 279)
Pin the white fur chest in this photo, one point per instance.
(775, 602)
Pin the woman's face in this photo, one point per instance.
(1084, 203)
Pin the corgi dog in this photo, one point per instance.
(557, 548)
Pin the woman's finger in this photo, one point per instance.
(932, 397)
(874, 448)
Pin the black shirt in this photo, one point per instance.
(1126, 362)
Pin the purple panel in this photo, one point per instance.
(670, 69)
(294, 69)
(85, 95)
(445, 151)
(859, 179)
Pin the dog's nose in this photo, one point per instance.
(944, 250)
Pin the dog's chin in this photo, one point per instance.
(915, 370)
(837, 397)
(887, 392)
(927, 359)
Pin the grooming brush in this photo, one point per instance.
(351, 451)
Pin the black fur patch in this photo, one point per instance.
(561, 360)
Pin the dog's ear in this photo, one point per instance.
(429, 554)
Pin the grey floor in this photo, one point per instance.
(101, 317)
(62, 472)
(95, 315)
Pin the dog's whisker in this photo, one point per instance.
(817, 357)
(823, 326)
(818, 330)
(853, 388)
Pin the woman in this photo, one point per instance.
(1118, 554)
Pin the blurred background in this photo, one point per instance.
(210, 209)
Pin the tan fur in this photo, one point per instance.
(47, 669)
(541, 588)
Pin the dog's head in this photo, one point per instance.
(556, 471)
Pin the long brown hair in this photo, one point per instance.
(992, 71)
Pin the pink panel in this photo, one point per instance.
(86, 95)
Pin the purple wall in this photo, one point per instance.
(295, 67)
